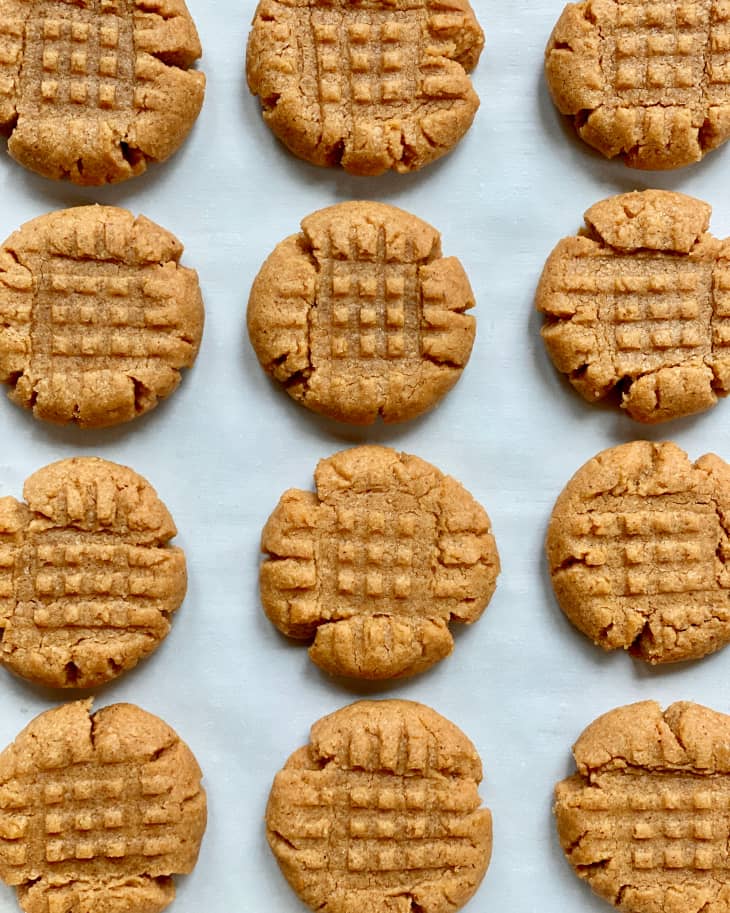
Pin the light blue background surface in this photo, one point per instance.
(521, 683)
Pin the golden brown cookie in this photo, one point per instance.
(375, 564)
(97, 317)
(88, 582)
(644, 80)
(359, 315)
(645, 819)
(94, 90)
(639, 303)
(97, 812)
(366, 86)
(381, 813)
(637, 547)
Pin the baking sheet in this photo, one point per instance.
(522, 683)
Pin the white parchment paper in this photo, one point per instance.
(522, 683)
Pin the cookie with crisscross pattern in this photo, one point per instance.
(368, 86)
(381, 812)
(88, 582)
(98, 812)
(94, 90)
(97, 315)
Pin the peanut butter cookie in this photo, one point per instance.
(360, 316)
(375, 564)
(644, 821)
(381, 813)
(640, 303)
(94, 90)
(97, 317)
(88, 581)
(98, 812)
(637, 548)
(368, 87)
(644, 80)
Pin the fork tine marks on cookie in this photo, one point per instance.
(646, 81)
(375, 565)
(98, 806)
(371, 88)
(99, 316)
(639, 303)
(360, 316)
(87, 580)
(381, 811)
(94, 92)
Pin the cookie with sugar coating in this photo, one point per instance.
(360, 316)
(375, 564)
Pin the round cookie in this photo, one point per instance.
(88, 582)
(644, 821)
(97, 317)
(374, 565)
(637, 547)
(93, 91)
(639, 303)
(381, 812)
(365, 86)
(98, 812)
(360, 316)
(644, 81)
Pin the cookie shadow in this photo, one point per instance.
(559, 387)
(286, 412)
(333, 181)
(579, 156)
(665, 672)
(48, 194)
(70, 438)
(626, 429)
(588, 653)
(364, 689)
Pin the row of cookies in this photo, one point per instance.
(360, 316)
(95, 94)
(371, 567)
(110, 806)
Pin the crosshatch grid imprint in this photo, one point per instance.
(87, 60)
(371, 60)
(95, 310)
(377, 826)
(373, 313)
(656, 311)
(58, 578)
(101, 811)
(74, 315)
(377, 556)
(663, 821)
(674, 50)
(681, 557)
(374, 62)
(657, 58)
